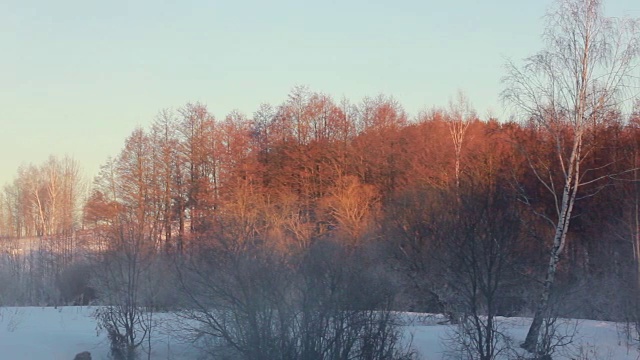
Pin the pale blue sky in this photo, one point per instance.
(76, 77)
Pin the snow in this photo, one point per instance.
(593, 340)
(60, 333)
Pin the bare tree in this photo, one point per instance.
(351, 205)
(582, 73)
(164, 144)
(195, 132)
(477, 244)
(460, 116)
(259, 304)
(132, 232)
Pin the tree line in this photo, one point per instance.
(309, 169)
(43, 200)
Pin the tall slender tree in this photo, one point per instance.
(581, 74)
(461, 114)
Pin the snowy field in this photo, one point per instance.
(59, 334)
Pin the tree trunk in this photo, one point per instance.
(531, 341)
(559, 239)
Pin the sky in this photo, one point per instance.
(77, 76)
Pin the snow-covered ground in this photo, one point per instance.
(38, 333)
(592, 340)
(49, 333)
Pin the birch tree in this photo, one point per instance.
(584, 71)
(460, 116)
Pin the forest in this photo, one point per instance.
(298, 231)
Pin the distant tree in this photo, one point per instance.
(459, 117)
(164, 143)
(380, 113)
(196, 152)
(352, 206)
(262, 128)
(375, 155)
(15, 220)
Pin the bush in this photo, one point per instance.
(323, 304)
(73, 285)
